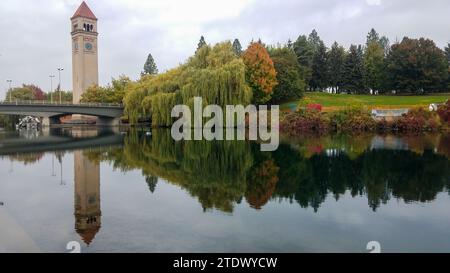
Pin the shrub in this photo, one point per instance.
(314, 106)
(417, 120)
(305, 121)
(358, 120)
(352, 119)
(444, 112)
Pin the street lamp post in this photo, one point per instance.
(59, 74)
(51, 88)
(10, 97)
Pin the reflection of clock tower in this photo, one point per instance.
(84, 51)
(87, 197)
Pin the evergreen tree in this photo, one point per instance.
(152, 181)
(314, 40)
(304, 53)
(237, 48)
(319, 79)
(384, 42)
(372, 37)
(150, 66)
(289, 44)
(374, 66)
(447, 53)
(336, 60)
(201, 43)
(353, 71)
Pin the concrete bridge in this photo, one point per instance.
(50, 113)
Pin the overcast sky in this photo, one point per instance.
(35, 35)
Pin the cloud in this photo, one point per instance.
(373, 2)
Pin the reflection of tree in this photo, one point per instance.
(376, 173)
(261, 180)
(151, 182)
(214, 172)
(220, 174)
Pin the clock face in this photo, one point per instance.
(88, 46)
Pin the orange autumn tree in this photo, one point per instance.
(260, 72)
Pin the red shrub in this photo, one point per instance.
(314, 106)
(417, 120)
(304, 121)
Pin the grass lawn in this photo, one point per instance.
(332, 102)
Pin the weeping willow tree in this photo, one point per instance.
(214, 73)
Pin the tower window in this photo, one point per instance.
(84, 27)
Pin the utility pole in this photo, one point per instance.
(51, 88)
(9, 81)
(59, 72)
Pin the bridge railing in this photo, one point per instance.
(43, 102)
(379, 113)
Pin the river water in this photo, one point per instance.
(130, 191)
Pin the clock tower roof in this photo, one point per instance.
(84, 11)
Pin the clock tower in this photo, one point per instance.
(84, 51)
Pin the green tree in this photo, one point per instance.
(384, 42)
(336, 61)
(66, 96)
(150, 67)
(214, 73)
(417, 66)
(314, 41)
(304, 53)
(319, 76)
(289, 44)
(291, 85)
(97, 94)
(237, 48)
(374, 66)
(112, 93)
(26, 92)
(201, 43)
(20, 94)
(447, 53)
(353, 71)
(372, 37)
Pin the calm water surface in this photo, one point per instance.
(130, 192)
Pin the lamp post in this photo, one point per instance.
(59, 74)
(51, 88)
(10, 98)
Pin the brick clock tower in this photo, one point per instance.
(84, 51)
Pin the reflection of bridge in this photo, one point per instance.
(58, 143)
(107, 114)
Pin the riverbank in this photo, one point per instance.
(359, 119)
